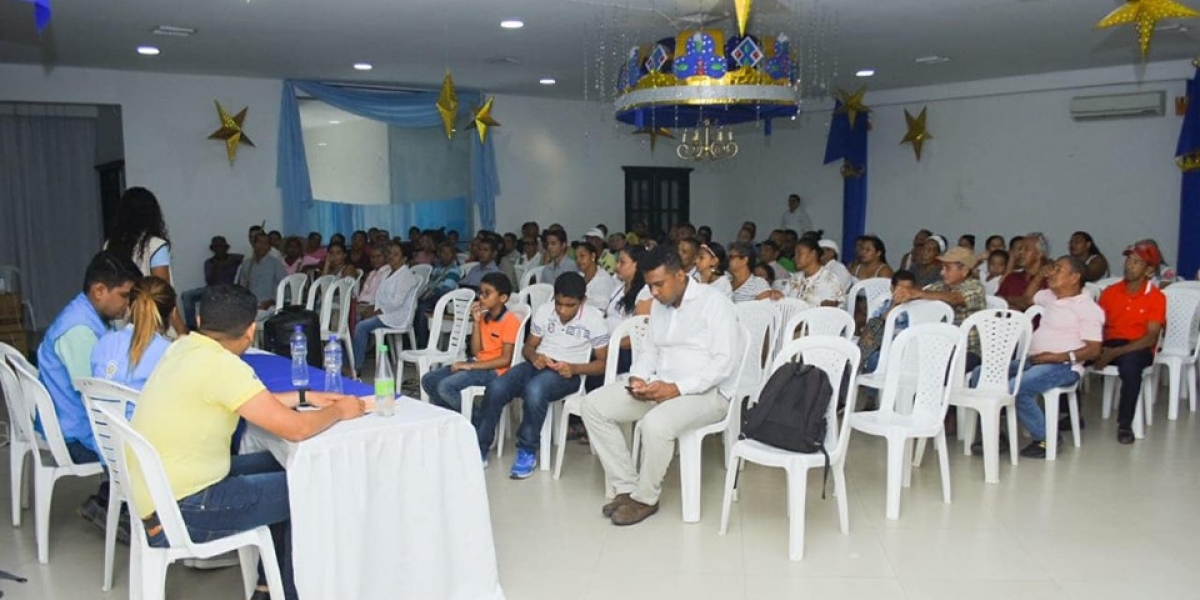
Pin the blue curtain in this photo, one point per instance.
(1189, 196)
(339, 217)
(301, 211)
(849, 144)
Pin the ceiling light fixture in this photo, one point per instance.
(148, 50)
(547, 81)
(512, 24)
(173, 31)
(363, 66)
(865, 73)
(932, 59)
(335, 122)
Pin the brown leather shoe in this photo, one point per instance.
(633, 512)
(616, 503)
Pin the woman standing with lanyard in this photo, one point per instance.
(140, 234)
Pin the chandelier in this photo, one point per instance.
(701, 146)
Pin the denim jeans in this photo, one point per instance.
(1130, 367)
(445, 388)
(189, 299)
(254, 493)
(1036, 380)
(538, 388)
(362, 336)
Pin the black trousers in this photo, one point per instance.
(1130, 367)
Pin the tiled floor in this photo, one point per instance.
(1104, 521)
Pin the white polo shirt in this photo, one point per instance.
(572, 341)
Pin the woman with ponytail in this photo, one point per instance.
(128, 356)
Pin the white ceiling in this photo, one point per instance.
(412, 42)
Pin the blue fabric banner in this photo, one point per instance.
(849, 144)
(1189, 193)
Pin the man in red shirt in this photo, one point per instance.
(1135, 311)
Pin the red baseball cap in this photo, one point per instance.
(1147, 251)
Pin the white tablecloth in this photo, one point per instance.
(391, 508)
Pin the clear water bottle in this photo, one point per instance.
(333, 366)
(385, 384)
(299, 343)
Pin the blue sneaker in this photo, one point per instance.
(524, 465)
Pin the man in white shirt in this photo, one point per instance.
(795, 217)
(829, 260)
(811, 282)
(681, 379)
(567, 339)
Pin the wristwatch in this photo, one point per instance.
(1071, 354)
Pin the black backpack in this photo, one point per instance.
(790, 413)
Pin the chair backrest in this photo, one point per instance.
(1183, 321)
(761, 319)
(788, 308)
(634, 328)
(749, 373)
(104, 392)
(822, 320)
(37, 398)
(7, 351)
(1093, 290)
(338, 296)
(20, 410)
(918, 312)
(1107, 281)
(874, 291)
(12, 279)
(536, 295)
(468, 267)
(422, 281)
(419, 270)
(1003, 334)
(116, 442)
(531, 277)
(317, 288)
(996, 303)
(834, 355)
(458, 305)
(927, 356)
(1195, 285)
(291, 287)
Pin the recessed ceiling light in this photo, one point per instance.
(865, 73)
(363, 66)
(932, 59)
(547, 81)
(322, 144)
(512, 24)
(335, 122)
(173, 31)
(148, 50)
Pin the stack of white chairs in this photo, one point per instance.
(835, 356)
(457, 304)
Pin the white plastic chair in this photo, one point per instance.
(635, 329)
(832, 355)
(535, 295)
(919, 312)
(317, 290)
(456, 303)
(51, 460)
(931, 354)
(874, 291)
(1108, 282)
(1180, 345)
(12, 279)
(147, 564)
(761, 320)
(468, 267)
(122, 399)
(21, 439)
(996, 303)
(821, 321)
(422, 270)
(1050, 403)
(384, 334)
(339, 296)
(531, 276)
(1093, 290)
(291, 287)
(788, 308)
(1003, 334)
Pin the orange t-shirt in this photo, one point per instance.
(1126, 315)
(495, 335)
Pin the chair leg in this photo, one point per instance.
(966, 428)
(561, 434)
(16, 473)
(991, 445)
(839, 488)
(908, 465)
(270, 563)
(43, 492)
(1174, 378)
(1073, 406)
(546, 446)
(153, 580)
(349, 353)
(689, 476)
(423, 366)
(1190, 375)
(797, 483)
(895, 475)
(1150, 393)
(727, 499)
(111, 522)
(636, 451)
(248, 557)
(919, 453)
(1050, 402)
(944, 460)
(1011, 414)
(501, 432)
(1139, 418)
(1106, 397)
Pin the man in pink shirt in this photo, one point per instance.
(1070, 333)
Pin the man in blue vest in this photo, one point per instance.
(66, 354)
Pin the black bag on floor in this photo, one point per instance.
(790, 413)
(277, 333)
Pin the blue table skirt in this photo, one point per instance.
(276, 373)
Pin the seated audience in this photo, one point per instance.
(360, 252)
(251, 234)
(829, 260)
(1135, 311)
(555, 261)
(492, 343)
(908, 261)
(1019, 286)
(766, 273)
(871, 339)
(380, 270)
(335, 261)
(744, 285)
(487, 251)
(711, 263)
(189, 417)
(768, 254)
(276, 239)
(294, 260)
(811, 282)
(425, 249)
(312, 248)
(65, 355)
(442, 280)
(221, 267)
(617, 243)
(127, 356)
(689, 250)
(992, 272)
(531, 254)
(787, 250)
(262, 274)
(600, 284)
(564, 335)
(704, 234)
(871, 259)
(630, 298)
(607, 260)
(967, 241)
(1084, 248)
(994, 243)
(393, 303)
(957, 288)
(414, 234)
(510, 254)
(681, 379)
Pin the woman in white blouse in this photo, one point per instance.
(744, 284)
(599, 283)
(711, 263)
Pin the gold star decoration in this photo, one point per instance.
(917, 135)
(447, 105)
(742, 7)
(231, 131)
(1146, 14)
(654, 133)
(852, 104)
(483, 119)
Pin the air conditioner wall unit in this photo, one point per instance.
(1119, 106)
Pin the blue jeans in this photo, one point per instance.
(254, 493)
(362, 336)
(189, 299)
(538, 388)
(1038, 379)
(445, 388)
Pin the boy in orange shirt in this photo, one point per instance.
(496, 331)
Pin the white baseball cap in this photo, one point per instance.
(595, 232)
(832, 245)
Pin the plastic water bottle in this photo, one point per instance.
(333, 366)
(299, 343)
(385, 384)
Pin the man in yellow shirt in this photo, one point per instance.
(189, 410)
